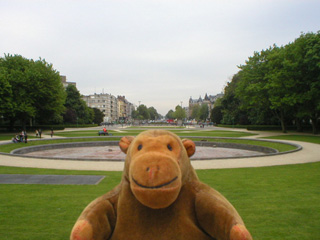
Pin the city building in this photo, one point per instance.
(65, 83)
(208, 100)
(125, 109)
(106, 103)
(114, 108)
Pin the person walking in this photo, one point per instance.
(51, 132)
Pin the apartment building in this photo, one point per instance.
(106, 103)
(125, 109)
(114, 108)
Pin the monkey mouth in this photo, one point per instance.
(157, 186)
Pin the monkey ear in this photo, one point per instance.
(125, 143)
(190, 146)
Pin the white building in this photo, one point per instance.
(106, 103)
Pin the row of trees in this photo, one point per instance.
(145, 113)
(276, 85)
(179, 113)
(31, 92)
(198, 112)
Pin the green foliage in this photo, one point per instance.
(179, 113)
(143, 113)
(204, 112)
(153, 113)
(231, 105)
(170, 114)
(216, 114)
(30, 90)
(77, 112)
(98, 116)
(195, 112)
(280, 83)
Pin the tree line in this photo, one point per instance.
(278, 85)
(31, 93)
(144, 113)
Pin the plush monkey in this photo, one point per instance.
(159, 197)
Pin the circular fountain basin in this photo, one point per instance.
(110, 151)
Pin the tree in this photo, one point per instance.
(31, 90)
(279, 82)
(143, 113)
(180, 113)
(231, 104)
(254, 89)
(153, 113)
(216, 114)
(98, 116)
(195, 112)
(134, 114)
(303, 56)
(170, 114)
(6, 99)
(280, 85)
(77, 110)
(48, 92)
(204, 112)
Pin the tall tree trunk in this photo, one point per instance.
(314, 122)
(283, 124)
(11, 124)
(299, 125)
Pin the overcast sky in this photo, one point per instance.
(158, 52)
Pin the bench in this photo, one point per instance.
(104, 133)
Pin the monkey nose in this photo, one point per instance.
(152, 171)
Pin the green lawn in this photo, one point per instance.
(7, 148)
(279, 202)
(302, 138)
(281, 147)
(9, 136)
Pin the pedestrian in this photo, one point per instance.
(51, 132)
(40, 131)
(37, 133)
(25, 137)
(22, 136)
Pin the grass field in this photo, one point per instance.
(275, 202)
(302, 138)
(280, 202)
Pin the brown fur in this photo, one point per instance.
(159, 197)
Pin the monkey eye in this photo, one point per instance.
(169, 147)
(139, 147)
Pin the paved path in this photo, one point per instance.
(310, 153)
